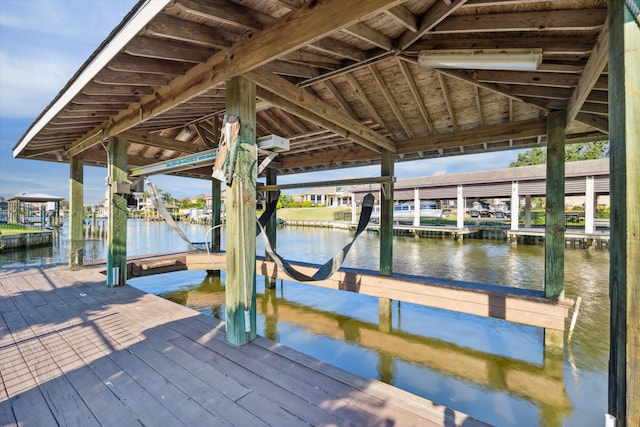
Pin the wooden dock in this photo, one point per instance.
(76, 353)
(428, 230)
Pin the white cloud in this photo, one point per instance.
(29, 83)
(43, 42)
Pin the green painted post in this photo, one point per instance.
(117, 234)
(624, 271)
(216, 213)
(270, 282)
(76, 211)
(240, 289)
(554, 228)
(386, 235)
(216, 219)
(386, 216)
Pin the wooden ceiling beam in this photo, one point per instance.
(404, 17)
(590, 75)
(153, 140)
(578, 19)
(312, 59)
(486, 134)
(563, 45)
(476, 94)
(340, 99)
(447, 100)
(435, 15)
(597, 122)
(150, 47)
(109, 77)
(139, 64)
(538, 91)
(369, 35)
(320, 120)
(526, 78)
(593, 108)
(333, 47)
(391, 101)
(493, 87)
(284, 68)
(415, 92)
(362, 95)
(172, 28)
(103, 89)
(306, 101)
(222, 11)
(313, 21)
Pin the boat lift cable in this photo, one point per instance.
(331, 266)
(323, 273)
(158, 203)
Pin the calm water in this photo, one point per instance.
(493, 370)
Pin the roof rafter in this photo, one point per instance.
(305, 101)
(314, 21)
(590, 75)
(487, 134)
(438, 12)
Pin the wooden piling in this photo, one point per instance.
(386, 226)
(624, 134)
(117, 227)
(554, 229)
(240, 290)
(76, 210)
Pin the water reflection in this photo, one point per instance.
(491, 369)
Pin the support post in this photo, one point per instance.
(589, 206)
(117, 235)
(624, 291)
(416, 207)
(386, 217)
(216, 213)
(216, 220)
(270, 229)
(515, 205)
(386, 231)
(76, 211)
(240, 289)
(354, 213)
(527, 210)
(554, 227)
(461, 207)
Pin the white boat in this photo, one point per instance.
(406, 211)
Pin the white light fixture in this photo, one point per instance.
(503, 59)
(184, 135)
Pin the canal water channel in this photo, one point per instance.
(494, 370)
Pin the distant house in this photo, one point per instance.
(326, 196)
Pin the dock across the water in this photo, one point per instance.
(484, 229)
(74, 352)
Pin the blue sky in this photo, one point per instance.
(42, 44)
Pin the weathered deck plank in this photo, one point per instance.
(74, 352)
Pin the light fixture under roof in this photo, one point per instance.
(502, 59)
(184, 135)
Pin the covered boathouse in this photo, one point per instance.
(359, 82)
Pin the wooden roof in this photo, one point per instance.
(340, 79)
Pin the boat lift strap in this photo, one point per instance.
(331, 266)
(323, 273)
(158, 203)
